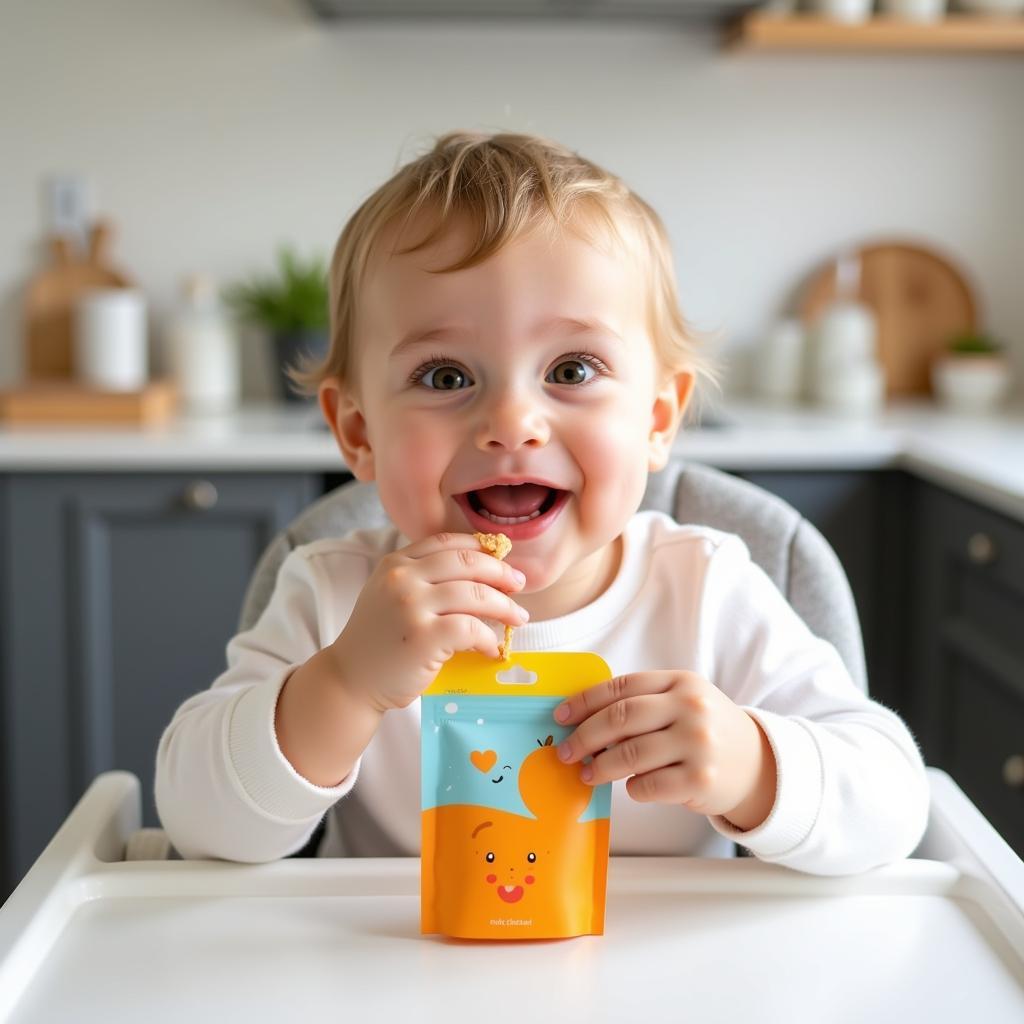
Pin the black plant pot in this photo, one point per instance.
(294, 348)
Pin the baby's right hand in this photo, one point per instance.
(421, 605)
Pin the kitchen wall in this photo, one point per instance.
(211, 131)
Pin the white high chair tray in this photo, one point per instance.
(89, 938)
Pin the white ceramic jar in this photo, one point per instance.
(844, 10)
(846, 376)
(858, 391)
(847, 333)
(110, 339)
(914, 10)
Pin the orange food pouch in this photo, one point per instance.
(515, 844)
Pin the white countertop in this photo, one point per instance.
(981, 457)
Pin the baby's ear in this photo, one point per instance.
(343, 414)
(670, 402)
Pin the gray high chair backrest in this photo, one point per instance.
(796, 557)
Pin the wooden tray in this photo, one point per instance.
(920, 299)
(88, 937)
(56, 402)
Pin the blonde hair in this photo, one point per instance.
(504, 185)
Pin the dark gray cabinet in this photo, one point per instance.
(119, 593)
(967, 647)
(866, 517)
(939, 586)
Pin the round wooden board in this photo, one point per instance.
(920, 299)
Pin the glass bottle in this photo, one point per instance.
(203, 349)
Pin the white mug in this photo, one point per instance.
(110, 339)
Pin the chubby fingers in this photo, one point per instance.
(466, 598)
(582, 705)
(441, 542)
(447, 575)
(468, 581)
(457, 556)
(627, 713)
(467, 564)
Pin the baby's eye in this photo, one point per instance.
(441, 376)
(532, 858)
(573, 369)
(490, 858)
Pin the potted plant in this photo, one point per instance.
(292, 307)
(973, 374)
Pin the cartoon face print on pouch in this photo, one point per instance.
(511, 851)
(510, 892)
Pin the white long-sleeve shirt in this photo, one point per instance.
(851, 791)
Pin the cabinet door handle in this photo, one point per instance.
(981, 549)
(200, 495)
(1013, 771)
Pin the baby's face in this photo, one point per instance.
(532, 368)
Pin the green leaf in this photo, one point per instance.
(970, 343)
(293, 299)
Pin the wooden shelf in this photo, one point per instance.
(958, 33)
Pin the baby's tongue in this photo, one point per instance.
(513, 500)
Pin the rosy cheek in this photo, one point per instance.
(528, 879)
(491, 879)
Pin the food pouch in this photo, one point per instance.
(515, 844)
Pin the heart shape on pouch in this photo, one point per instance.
(483, 760)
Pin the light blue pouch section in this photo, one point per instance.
(473, 747)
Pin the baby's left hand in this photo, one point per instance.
(677, 739)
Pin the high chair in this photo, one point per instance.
(104, 927)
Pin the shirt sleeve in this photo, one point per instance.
(223, 787)
(851, 790)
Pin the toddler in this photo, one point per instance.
(507, 355)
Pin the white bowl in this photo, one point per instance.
(970, 383)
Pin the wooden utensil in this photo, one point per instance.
(51, 296)
(920, 299)
(56, 402)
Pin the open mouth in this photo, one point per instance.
(520, 511)
(493, 501)
(510, 893)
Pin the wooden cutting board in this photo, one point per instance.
(50, 300)
(921, 300)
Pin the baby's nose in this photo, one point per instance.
(512, 423)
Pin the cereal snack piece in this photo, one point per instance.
(496, 544)
(499, 545)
